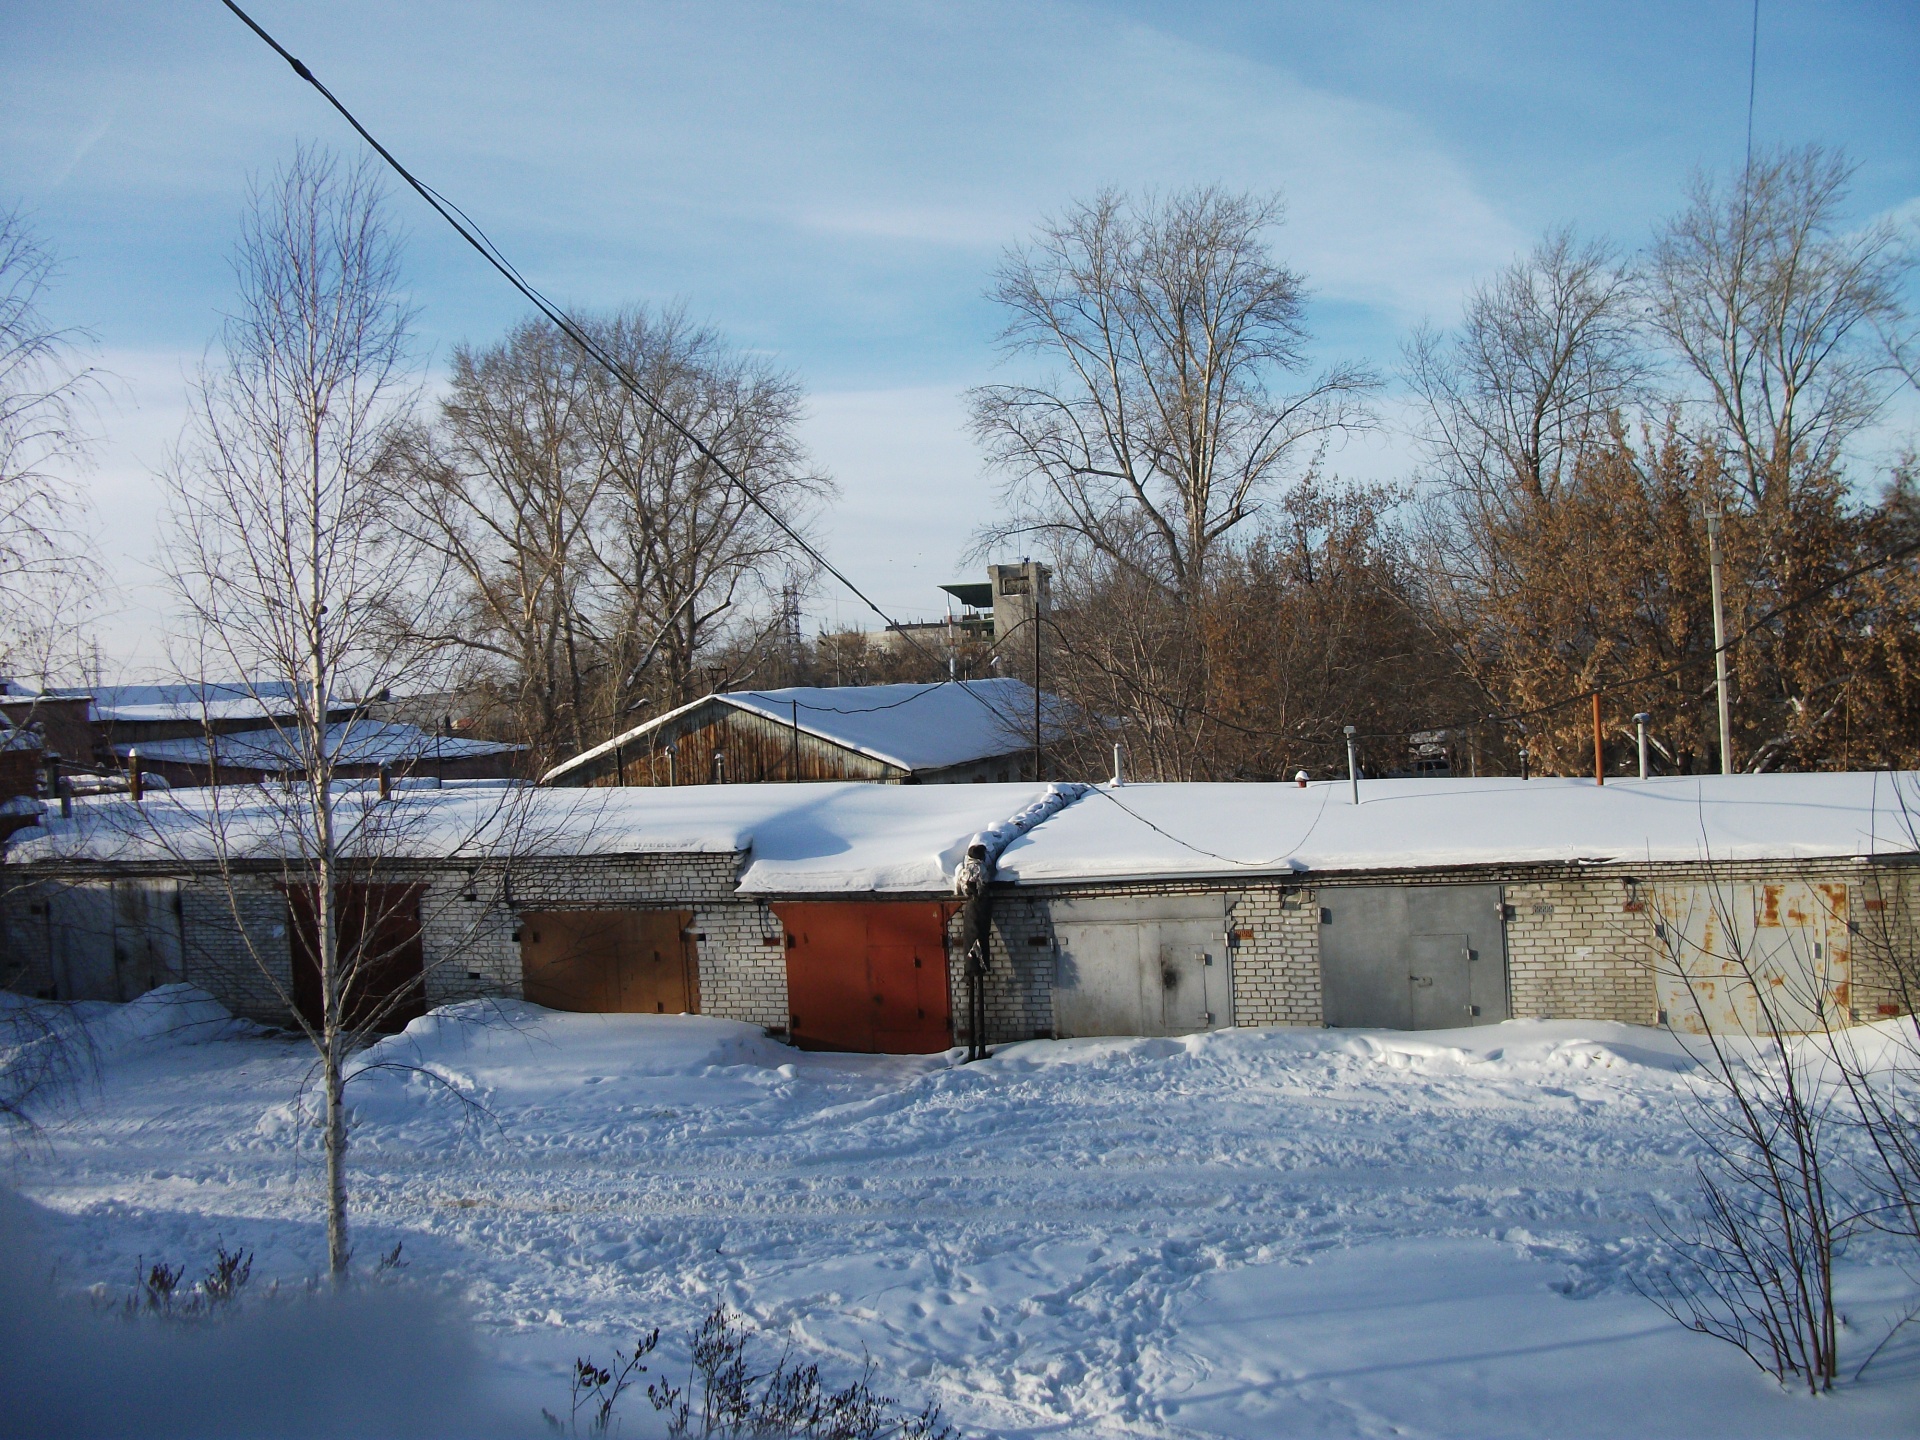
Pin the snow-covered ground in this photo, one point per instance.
(1249, 1233)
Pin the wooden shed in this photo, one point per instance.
(940, 734)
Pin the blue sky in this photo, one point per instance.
(832, 184)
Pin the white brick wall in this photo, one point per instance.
(1576, 948)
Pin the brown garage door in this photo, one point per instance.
(378, 931)
(610, 960)
(868, 975)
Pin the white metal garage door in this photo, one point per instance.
(1141, 965)
(1753, 959)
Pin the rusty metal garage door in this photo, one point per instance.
(626, 961)
(1753, 959)
(868, 975)
(1141, 965)
(1412, 957)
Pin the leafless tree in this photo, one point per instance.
(601, 558)
(681, 546)
(1547, 353)
(504, 490)
(1763, 1017)
(46, 581)
(1168, 330)
(284, 559)
(1791, 319)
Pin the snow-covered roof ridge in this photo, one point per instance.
(852, 838)
(1152, 831)
(995, 838)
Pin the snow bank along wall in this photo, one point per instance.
(877, 967)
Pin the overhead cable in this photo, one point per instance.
(471, 232)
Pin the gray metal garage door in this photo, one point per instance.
(1141, 965)
(113, 940)
(1412, 957)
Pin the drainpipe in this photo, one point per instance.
(1353, 764)
(1640, 724)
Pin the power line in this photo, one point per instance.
(1753, 75)
(477, 238)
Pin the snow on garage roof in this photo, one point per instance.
(1150, 831)
(350, 742)
(859, 838)
(914, 727)
(843, 837)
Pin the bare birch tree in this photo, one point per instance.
(283, 556)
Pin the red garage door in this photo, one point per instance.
(868, 975)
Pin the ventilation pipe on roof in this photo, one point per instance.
(136, 786)
(1353, 763)
(1640, 725)
(1117, 778)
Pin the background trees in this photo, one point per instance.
(1231, 606)
(1155, 429)
(46, 580)
(602, 563)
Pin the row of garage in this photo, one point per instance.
(827, 911)
(874, 975)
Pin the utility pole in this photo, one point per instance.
(1719, 645)
(1037, 775)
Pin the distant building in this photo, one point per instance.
(997, 611)
(63, 721)
(141, 714)
(360, 749)
(937, 734)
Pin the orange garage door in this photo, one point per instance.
(610, 960)
(868, 975)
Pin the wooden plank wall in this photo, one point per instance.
(757, 751)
